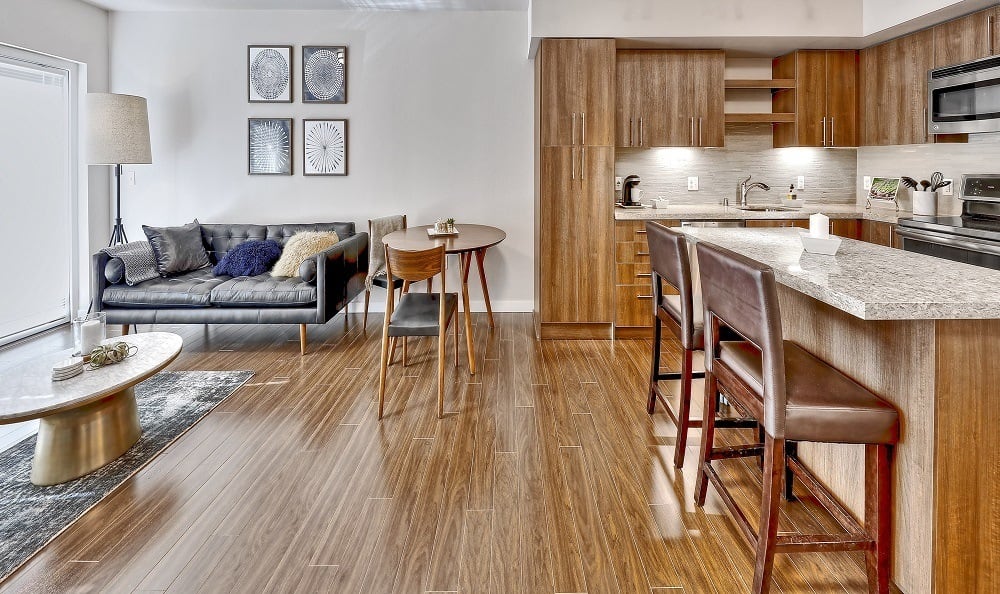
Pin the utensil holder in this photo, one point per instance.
(924, 203)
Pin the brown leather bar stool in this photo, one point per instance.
(798, 397)
(682, 314)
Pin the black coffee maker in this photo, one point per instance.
(630, 194)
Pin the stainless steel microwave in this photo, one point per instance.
(964, 98)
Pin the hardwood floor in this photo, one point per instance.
(546, 475)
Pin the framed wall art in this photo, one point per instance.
(269, 73)
(324, 147)
(269, 146)
(883, 192)
(324, 74)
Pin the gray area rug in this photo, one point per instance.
(170, 403)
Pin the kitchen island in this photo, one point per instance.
(922, 333)
(718, 212)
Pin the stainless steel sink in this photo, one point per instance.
(764, 208)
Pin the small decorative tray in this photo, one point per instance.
(827, 246)
(431, 232)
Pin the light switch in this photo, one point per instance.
(948, 190)
(867, 182)
(619, 182)
(800, 183)
(693, 184)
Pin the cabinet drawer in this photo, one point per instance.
(636, 230)
(800, 223)
(634, 305)
(633, 273)
(627, 252)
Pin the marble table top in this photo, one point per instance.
(869, 281)
(718, 212)
(27, 391)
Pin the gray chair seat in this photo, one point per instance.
(191, 289)
(264, 290)
(417, 314)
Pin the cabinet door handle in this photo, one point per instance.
(989, 33)
(927, 132)
(583, 163)
(572, 162)
(583, 127)
(642, 135)
(833, 131)
(573, 131)
(692, 130)
(700, 141)
(631, 132)
(824, 131)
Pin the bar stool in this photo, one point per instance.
(798, 397)
(682, 314)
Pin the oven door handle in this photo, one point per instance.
(942, 239)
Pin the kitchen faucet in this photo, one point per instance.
(744, 187)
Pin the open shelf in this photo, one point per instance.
(773, 84)
(759, 118)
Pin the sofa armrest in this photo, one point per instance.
(335, 270)
(98, 282)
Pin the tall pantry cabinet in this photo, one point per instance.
(574, 188)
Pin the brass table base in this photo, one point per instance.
(78, 441)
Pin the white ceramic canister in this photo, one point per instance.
(924, 203)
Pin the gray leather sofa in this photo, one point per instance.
(325, 285)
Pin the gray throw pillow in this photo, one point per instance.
(177, 249)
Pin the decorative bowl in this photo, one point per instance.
(827, 246)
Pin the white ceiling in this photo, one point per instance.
(311, 4)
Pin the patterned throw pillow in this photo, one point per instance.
(249, 258)
(302, 246)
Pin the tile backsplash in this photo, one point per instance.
(830, 174)
(919, 161)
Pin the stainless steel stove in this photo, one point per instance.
(973, 237)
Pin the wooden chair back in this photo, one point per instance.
(414, 266)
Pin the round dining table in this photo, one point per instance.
(470, 240)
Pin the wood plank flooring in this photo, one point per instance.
(546, 475)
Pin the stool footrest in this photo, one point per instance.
(818, 543)
(737, 451)
(676, 375)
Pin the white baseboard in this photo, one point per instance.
(378, 305)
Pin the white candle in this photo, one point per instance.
(91, 335)
(819, 225)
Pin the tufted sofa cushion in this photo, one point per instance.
(191, 289)
(264, 291)
(220, 238)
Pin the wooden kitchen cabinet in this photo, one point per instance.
(966, 38)
(574, 218)
(670, 98)
(879, 233)
(577, 92)
(824, 98)
(633, 279)
(849, 228)
(894, 90)
(788, 223)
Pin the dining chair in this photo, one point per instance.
(417, 314)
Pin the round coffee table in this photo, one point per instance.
(86, 421)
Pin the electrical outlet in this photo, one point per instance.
(800, 183)
(619, 182)
(867, 182)
(948, 190)
(131, 178)
(693, 184)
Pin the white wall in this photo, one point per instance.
(76, 31)
(885, 14)
(440, 110)
(663, 19)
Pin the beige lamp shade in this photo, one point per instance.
(117, 129)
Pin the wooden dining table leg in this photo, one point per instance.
(480, 255)
(465, 261)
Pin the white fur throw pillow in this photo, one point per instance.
(300, 247)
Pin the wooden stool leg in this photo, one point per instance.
(657, 336)
(684, 414)
(442, 341)
(368, 295)
(405, 349)
(383, 368)
(791, 450)
(774, 466)
(707, 438)
(878, 516)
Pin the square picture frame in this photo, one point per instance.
(324, 147)
(269, 73)
(269, 146)
(324, 74)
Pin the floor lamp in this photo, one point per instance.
(117, 134)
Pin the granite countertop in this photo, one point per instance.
(719, 212)
(869, 281)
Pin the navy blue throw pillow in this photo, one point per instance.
(249, 258)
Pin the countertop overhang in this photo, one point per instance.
(717, 212)
(868, 281)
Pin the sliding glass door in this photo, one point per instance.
(36, 195)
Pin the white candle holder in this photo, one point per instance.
(89, 330)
